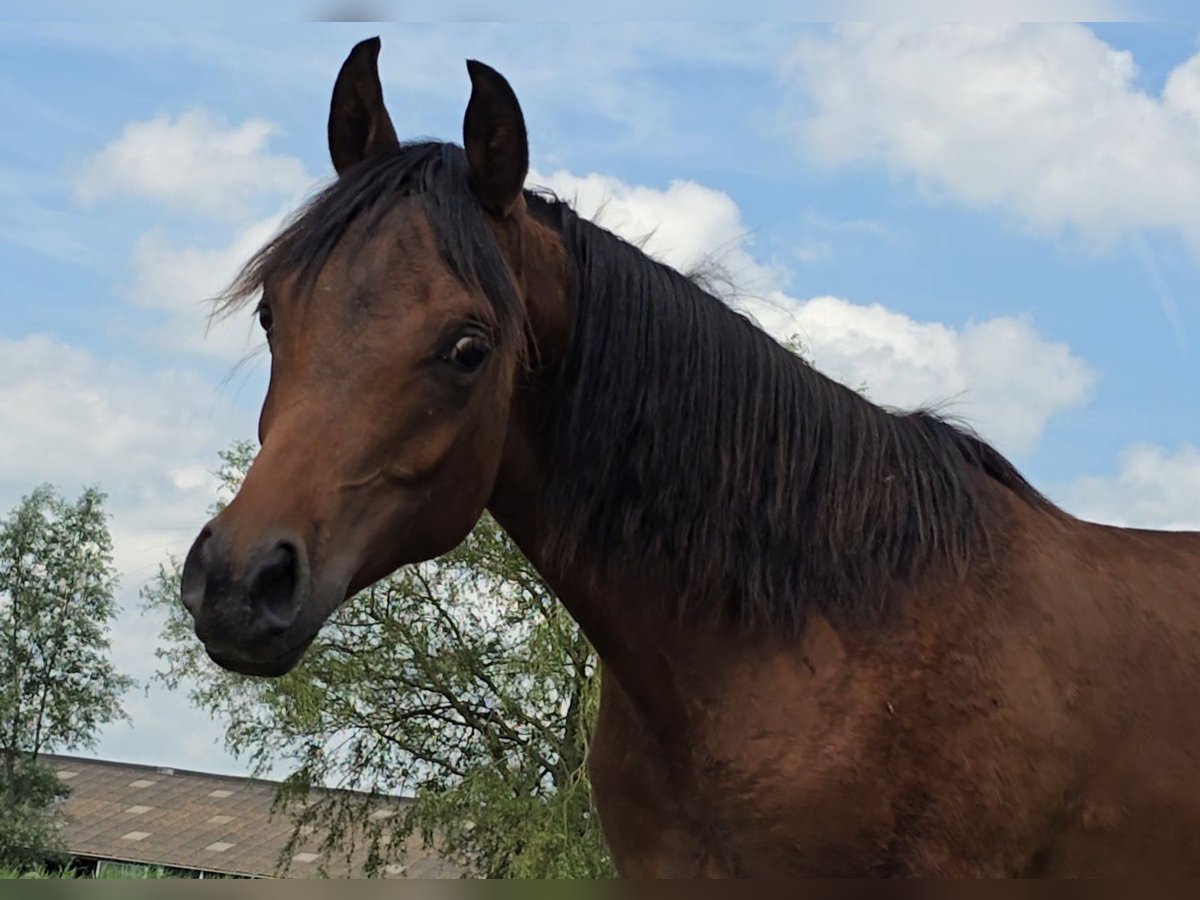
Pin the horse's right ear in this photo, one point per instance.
(359, 124)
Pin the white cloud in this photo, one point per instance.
(687, 225)
(1153, 488)
(1042, 121)
(149, 440)
(195, 162)
(182, 281)
(68, 416)
(999, 375)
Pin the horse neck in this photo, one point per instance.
(617, 611)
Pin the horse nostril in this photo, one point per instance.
(195, 572)
(272, 590)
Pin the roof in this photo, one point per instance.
(212, 823)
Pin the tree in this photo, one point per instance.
(461, 679)
(57, 683)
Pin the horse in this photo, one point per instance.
(836, 640)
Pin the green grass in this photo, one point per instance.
(110, 874)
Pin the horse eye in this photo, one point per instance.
(265, 318)
(468, 352)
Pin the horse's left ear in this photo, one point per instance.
(495, 140)
(359, 124)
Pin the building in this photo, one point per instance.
(121, 815)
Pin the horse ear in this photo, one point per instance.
(359, 124)
(495, 140)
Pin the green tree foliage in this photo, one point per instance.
(29, 817)
(57, 683)
(461, 680)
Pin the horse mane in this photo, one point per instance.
(684, 437)
(681, 436)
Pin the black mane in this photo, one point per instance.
(682, 438)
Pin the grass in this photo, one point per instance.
(111, 873)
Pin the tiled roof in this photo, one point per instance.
(190, 820)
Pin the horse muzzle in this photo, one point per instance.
(250, 613)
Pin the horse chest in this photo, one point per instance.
(777, 773)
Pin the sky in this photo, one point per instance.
(1000, 220)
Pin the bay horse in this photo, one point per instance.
(836, 640)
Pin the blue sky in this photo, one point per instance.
(1006, 219)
